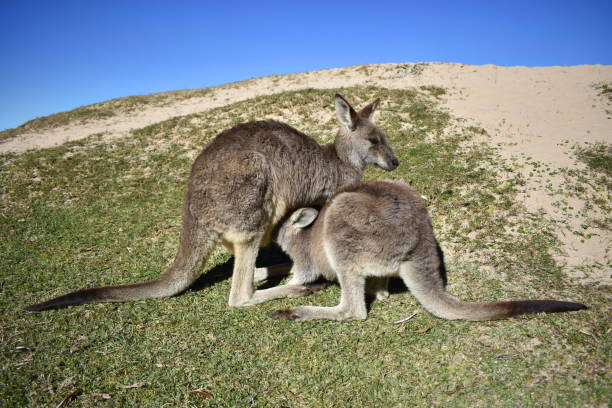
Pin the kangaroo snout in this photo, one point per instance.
(388, 164)
(394, 163)
(387, 159)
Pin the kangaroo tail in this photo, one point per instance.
(153, 288)
(195, 246)
(430, 292)
(450, 308)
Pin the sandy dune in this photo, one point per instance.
(529, 112)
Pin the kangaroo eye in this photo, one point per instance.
(373, 141)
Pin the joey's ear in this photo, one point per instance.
(345, 113)
(303, 217)
(368, 111)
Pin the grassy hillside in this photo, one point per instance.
(102, 110)
(90, 213)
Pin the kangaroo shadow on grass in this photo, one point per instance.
(274, 255)
(268, 256)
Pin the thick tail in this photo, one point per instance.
(154, 288)
(195, 246)
(452, 309)
(430, 292)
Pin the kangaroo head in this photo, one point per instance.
(360, 140)
(291, 232)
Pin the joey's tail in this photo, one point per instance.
(195, 246)
(430, 292)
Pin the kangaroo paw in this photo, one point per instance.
(297, 291)
(382, 295)
(261, 274)
(317, 286)
(286, 314)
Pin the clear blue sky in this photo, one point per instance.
(57, 55)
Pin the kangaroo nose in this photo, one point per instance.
(395, 163)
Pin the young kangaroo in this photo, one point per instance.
(241, 185)
(376, 230)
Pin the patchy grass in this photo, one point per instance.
(581, 204)
(592, 184)
(598, 156)
(605, 90)
(90, 213)
(78, 115)
(435, 91)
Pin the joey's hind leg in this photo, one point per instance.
(261, 274)
(298, 285)
(377, 287)
(352, 303)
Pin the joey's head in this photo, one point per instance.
(359, 140)
(293, 235)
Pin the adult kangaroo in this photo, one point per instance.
(376, 230)
(241, 185)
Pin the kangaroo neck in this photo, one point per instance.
(341, 148)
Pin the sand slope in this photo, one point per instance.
(537, 113)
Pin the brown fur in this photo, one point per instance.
(375, 230)
(241, 185)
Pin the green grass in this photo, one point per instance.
(89, 213)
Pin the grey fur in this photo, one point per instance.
(242, 184)
(376, 230)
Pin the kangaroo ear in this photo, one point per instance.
(303, 217)
(345, 113)
(368, 111)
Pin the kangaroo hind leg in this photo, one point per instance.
(352, 303)
(267, 272)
